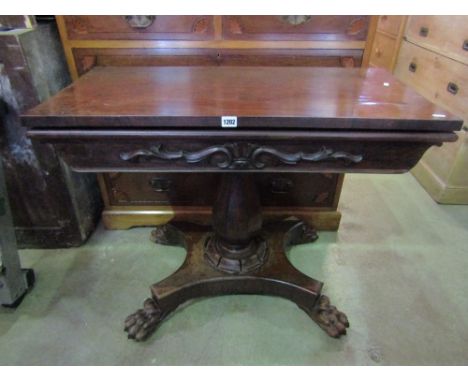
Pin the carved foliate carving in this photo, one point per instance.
(240, 156)
(200, 26)
(356, 26)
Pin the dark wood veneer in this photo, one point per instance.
(261, 97)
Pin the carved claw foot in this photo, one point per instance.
(160, 235)
(141, 324)
(167, 235)
(330, 319)
(302, 233)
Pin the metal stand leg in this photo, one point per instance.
(14, 281)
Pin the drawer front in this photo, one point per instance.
(444, 34)
(383, 51)
(139, 27)
(87, 58)
(390, 24)
(294, 190)
(440, 79)
(162, 189)
(295, 27)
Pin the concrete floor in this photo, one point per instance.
(398, 267)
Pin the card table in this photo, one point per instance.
(239, 121)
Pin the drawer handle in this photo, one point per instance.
(465, 45)
(160, 184)
(452, 88)
(424, 31)
(140, 22)
(281, 185)
(412, 67)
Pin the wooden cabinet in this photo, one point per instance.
(141, 199)
(390, 24)
(446, 35)
(433, 60)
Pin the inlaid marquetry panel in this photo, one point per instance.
(147, 27)
(295, 27)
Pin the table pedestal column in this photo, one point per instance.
(240, 256)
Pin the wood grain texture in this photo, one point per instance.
(326, 28)
(125, 217)
(293, 98)
(387, 41)
(217, 44)
(432, 74)
(83, 54)
(434, 62)
(89, 57)
(307, 190)
(390, 24)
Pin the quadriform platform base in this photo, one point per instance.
(222, 262)
(239, 122)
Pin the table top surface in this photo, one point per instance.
(260, 97)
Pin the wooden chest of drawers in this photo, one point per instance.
(387, 41)
(138, 199)
(434, 60)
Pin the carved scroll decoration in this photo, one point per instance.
(239, 156)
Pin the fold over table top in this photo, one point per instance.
(260, 97)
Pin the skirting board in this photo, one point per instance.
(437, 188)
(127, 217)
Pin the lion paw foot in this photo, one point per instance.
(141, 324)
(161, 235)
(329, 318)
(303, 234)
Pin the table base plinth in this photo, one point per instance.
(198, 277)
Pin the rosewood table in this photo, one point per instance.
(239, 121)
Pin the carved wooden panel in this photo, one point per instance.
(139, 27)
(333, 28)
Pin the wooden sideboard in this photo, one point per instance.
(433, 59)
(154, 198)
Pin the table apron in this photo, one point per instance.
(224, 154)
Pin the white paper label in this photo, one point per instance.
(229, 121)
